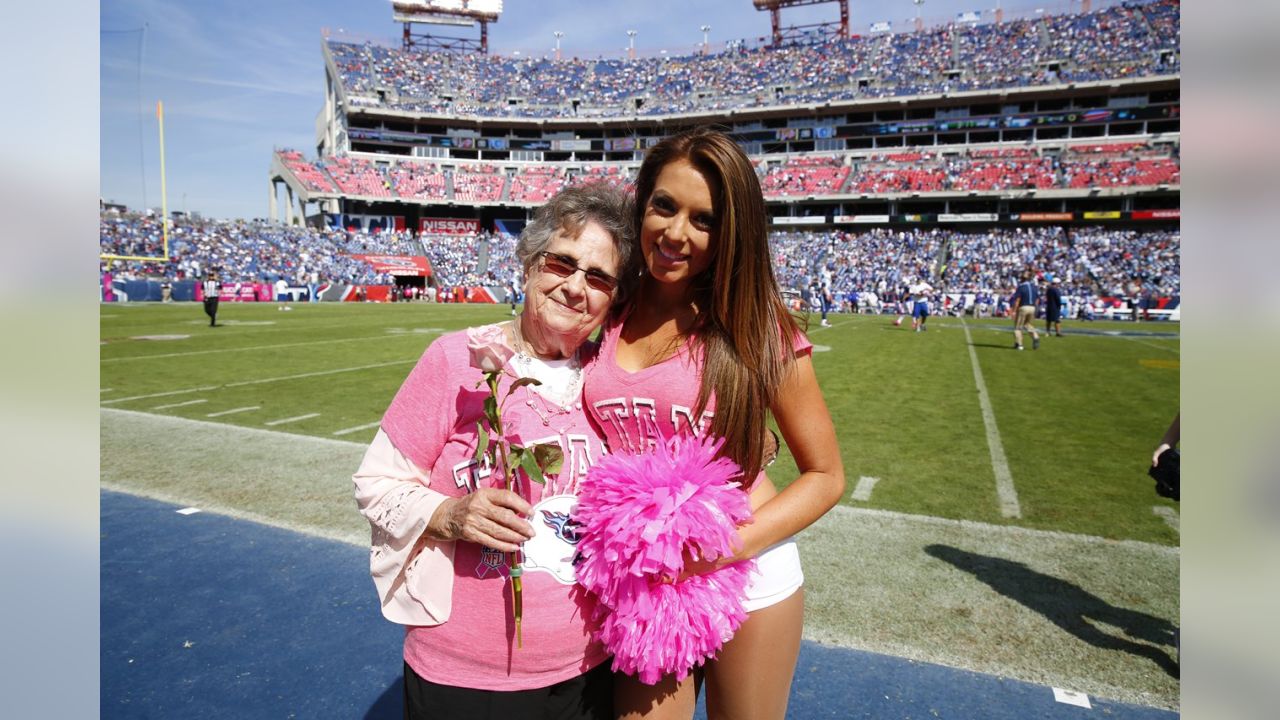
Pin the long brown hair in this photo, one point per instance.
(743, 331)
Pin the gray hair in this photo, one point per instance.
(570, 210)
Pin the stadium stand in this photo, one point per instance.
(811, 175)
(478, 183)
(311, 177)
(1093, 261)
(1131, 164)
(536, 183)
(988, 155)
(357, 177)
(418, 181)
(618, 176)
(1116, 42)
(244, 251)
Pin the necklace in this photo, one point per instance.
(561, 390)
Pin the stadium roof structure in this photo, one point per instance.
(458, 13)
(801, 33)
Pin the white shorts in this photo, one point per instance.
(777, 576)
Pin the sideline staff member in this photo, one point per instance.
(212, 288)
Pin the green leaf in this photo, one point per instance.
(549, 457)
(530, 466)
(491, 411)
(482, 445)
(525, 381)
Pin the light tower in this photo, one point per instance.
(558, 34)
(919, 20)
(706, 29)
(631, 44)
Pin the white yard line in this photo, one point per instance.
(1170, 517)
(296, 418)
(249, 349)
(813, 327)
(102, 390)
(862, 492)
(1175, 351)
(181, 404)
(1009, 506)
(358, 428)
(233, 411)
(205, 425)
(202, 388)
(847, 516)
(206, 388)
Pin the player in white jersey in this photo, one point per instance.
(920, 293)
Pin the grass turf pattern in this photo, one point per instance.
(1077, 418)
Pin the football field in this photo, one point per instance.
(998, 516)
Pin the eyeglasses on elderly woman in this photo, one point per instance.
(565, 266)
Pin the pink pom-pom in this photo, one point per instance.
(640, 515)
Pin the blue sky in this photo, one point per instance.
(239, 77)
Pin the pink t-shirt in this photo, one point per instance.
(636, 409)
(432, 421)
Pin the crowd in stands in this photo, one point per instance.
(1090, 261)
(1128, 40)
(805, 175)
(979, 169)
(877, 259)
(244, 251)
(873, 268)
(483, 258)
(1113, 164)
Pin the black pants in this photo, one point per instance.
(211, 309)
(586, 697)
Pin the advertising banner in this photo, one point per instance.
(1174, 214)
(1041, 217)
(245, 292)
(365, 223)
(620, 144)
(449, 226)
(967, 217)
(881, 27)
(572, 145)
(864, 218)
(1102, 215)
(818, 220)
(409, 265)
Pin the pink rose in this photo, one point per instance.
(488, 347)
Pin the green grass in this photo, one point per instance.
(1077, 418)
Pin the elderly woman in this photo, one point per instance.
(441, 520)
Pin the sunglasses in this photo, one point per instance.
(564, 266)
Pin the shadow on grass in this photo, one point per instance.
(1003, 346)
(390, 704)
(1068, 606)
